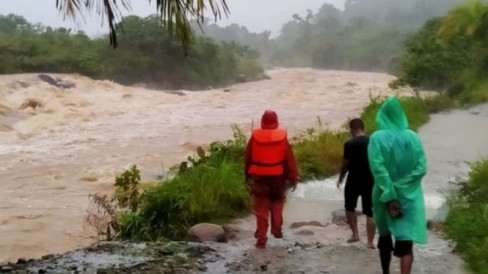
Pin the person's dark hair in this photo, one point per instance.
(356, 123)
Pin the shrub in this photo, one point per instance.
(319, 152)
(127, 188)
(467, 219)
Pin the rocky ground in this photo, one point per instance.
(120, 257)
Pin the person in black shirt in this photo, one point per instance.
(359, 180)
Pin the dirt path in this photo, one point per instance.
(324, 251)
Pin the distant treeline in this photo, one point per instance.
(367, 35)
(145, 54)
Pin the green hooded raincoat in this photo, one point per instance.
(398, 163)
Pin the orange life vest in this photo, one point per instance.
(268, 152)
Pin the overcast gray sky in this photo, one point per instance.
(256, 15)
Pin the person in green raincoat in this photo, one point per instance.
(397, 161)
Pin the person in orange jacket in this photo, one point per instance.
(269, 164)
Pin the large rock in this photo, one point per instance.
(56, 81)
(205, 232)
(231, 231)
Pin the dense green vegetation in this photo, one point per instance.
(146, 54)
(450, 54)
(467, 220)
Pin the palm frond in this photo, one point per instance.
(175, 14)
(109, 10)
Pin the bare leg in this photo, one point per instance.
(370, 227)
(406, 263)
(353, 223)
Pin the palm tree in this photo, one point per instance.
(175, 14)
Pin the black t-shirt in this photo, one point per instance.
(356, 152)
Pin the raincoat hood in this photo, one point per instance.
(391, 115)
(269, 120)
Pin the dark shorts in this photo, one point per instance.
(352, 192)
(400, 249)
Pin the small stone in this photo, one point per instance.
(341, 223)
(110, 245)
(21, 261)
(48, 257)
(6, 269)
(41, 271)
(264, 267)
(304, 232)
(201, 268)
(212, 260)
(300, 224)
(339, 215)
(73, 267)
(164, 251)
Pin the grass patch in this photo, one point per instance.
(318, 152)
(467, 220)
(416, 108)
